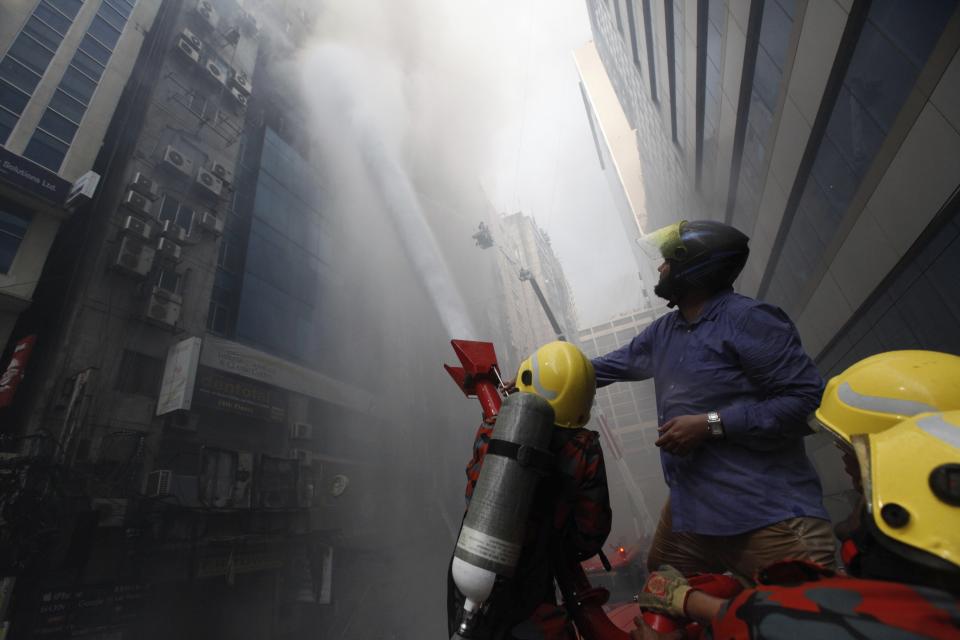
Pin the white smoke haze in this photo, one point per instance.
(423, 114)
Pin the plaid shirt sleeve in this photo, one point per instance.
(585, 502)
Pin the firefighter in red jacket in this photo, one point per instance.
(572, 503)
(896, 416)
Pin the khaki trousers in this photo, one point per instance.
(743, 554)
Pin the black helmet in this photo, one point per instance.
(703, 254)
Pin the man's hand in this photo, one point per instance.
(683, 434)
(644, 632)
(665, 592)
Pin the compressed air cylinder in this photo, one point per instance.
(492, 533)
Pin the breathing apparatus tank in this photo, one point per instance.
(491, 537)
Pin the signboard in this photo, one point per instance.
(88, 609)
(228, 356)
(235, 394)
(179, 376)
(32, 178)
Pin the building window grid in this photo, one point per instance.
(650, 37)
(776, 24)
(821, 207)
(51, 152)
(25, 34)
(712, 91)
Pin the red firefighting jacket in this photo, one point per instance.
(572, 501)
(798, 599)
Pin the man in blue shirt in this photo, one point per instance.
(734, 388)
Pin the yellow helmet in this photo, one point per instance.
(911, 481)
(559, 373)
(883, 390)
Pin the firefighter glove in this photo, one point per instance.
(665, 592)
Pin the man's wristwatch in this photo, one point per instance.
(714, 425)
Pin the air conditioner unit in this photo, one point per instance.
(136, 203)
(112, 511)
(175, 159)
(163, 294)
(170, 229)
(303, 456)
(215, 71)
(134, 257)
(188, 50)
(208, 14)
(241, 81)
(221, 171)
(164, 482)
(144, 186)
(192, 38)
(239, 97)
(169, 249)
(301, 431)
(208, 182)
(211, 222)
(162, 311)
(137, 228)
(158, 483)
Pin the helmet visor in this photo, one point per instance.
(664, 243)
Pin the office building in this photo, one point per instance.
(63, 67)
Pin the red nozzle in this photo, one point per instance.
(479, 376)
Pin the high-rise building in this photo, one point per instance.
(829, 132)
(63, 67)
(528, 264)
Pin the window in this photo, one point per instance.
(198, 103)
(53, 18)
(67, 7)
(88, 65)
(18, 75)
(26, 51)
(139, 374)
(95, 50)
(12, 98)
(46, 150)
(104, 32)
(78, 85)
(169, 281)
(180, 214)
(14, 221)
(650, 34)
(58, 125)
(42, 33)
(64, 104)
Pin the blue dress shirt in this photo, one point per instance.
(743, 359)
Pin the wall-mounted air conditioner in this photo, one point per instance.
(240, 98)
(137, 228)
(241, 81)
(208, 15)
(144, 186)
(170, 229)
(136, 203)
(301, 431)
(162, 311)
(222, 171)
(164, 294)
(134, 257)
(176, 159)
(168, 249)
(216, 71)
(185, 47)
(211, 222)
(182, 489)
(192, 38)
(208, 183)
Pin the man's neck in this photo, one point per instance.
(692, 303)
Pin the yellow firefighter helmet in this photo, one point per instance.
(883, 390)
(559, 373)
(911, 482)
